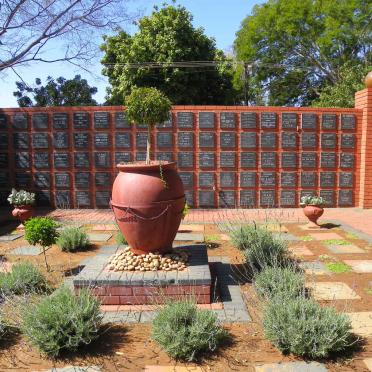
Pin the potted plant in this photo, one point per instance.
(313, 207)
(148, 197)
(23, 202)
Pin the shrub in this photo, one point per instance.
(283, 282)
(120, 238)
(23, 279)
(62, 321)
(302, 327)
(338, 267)
(21, 197)
(185, 332)
(72, 239)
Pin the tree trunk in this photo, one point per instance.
(46, 262)
(148, 159)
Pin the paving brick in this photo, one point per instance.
(301, 251)
(10, 237)
(292, 367)
(329, 291)
(368, 363)
(110, 227)
(361, 323)
(74, 369)
(345, 249)
(325, 236)
(360, 266)
(99, 237)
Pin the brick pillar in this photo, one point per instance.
(363, 101)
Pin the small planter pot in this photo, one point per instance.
(23, 212)
(313, 213)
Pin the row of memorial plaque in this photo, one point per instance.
(206, 120)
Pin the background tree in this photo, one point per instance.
(169, 41)
(298, 47)
(59, 92)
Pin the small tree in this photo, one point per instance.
(148, 106)
(42, 231)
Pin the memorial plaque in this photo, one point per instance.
(41, 160)
(20, 121)
(347, 160)
(267, 179)
(227, 160)
(288, 198)
(103, 179)
(328, 197)
(185, 139)
(164, 156)
(40, 121)
(347, 141)
(81, 159)
(23, 179)
(268, 140)
(327, 179)
(123, 140)
(102, 140)
(22, 160)
(4, 179)
(62, 199)
(206, 198)
(206, 139)
(43, 197)
(141, 139)
(185, 159)
(60, 121)
(288, 179)
(140, 156)
(81, 140)
(247, 198)
(267, 198)
(81, 120)
(206, 120)
(345, 198)
(60, 140)
(289, 160)
(206, 179)
(268, 160)
(102, 160)
(328, 140)
(347, 122)
(346, 179)
(40, 140)
(101, 120)
(122, 157)
(248, 179)
(189, 195)
(164, 139)
(4, 140)
(268, 120)
(248, 120)
(226, 199)
(227, 179)
(227, 140)
(308, 179)
(227, 120)
(21, 140)
(248, 140)
(206, 160)
(185, 120)
(289, 140)
(62, 180)
(187, 179)
(248, 160)
(61, 160)
(328, 160)
(4, 160)
(3, 122)
(329, 121)
(289, 120)
(42, 180)
(309, 140)
(121, 120)
(308, 159)
(82, 199)
(308, 121)
(82, 180)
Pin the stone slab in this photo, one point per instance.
(27, 251)
(329, 291)
(292, 367)
(345, 249)
(189, 237)
(173, 369)
(360, 266)
(314, 268)
(10, 237)
(73, 369)
(368, 363)
(325, 236)
(286, 236)
(99, 237)
(105, 228)
(361, 323)
(225, 237)
(300, 251)
(191, 227)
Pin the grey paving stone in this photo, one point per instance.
(345, 249)
(10, 237)
(111, 249)
(287, 237)
(292, 367)
(27, 251)
(122, 317)
(189, 237)
(99, 237)
(148, 316)
(74, 369)
(315, 267)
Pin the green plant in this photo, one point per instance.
(186, 332)
(185, 210)
(120, 238)
(24, 278)
(42, 231)
(62, 321)
(336, 242)
(72, 239)
(21, 197)
(312, 200)
(338, 267)
(306, 238)
(302, 327)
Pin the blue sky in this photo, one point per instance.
(221, 19)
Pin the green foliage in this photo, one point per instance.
(62, 321)
(41, 230)
(338, 267)
(21, 197)
(336, 242)
(302, 327)
(59, 92)
(306, 238)
(186, 332)
(72, 239)
(120, 238)
(311, 200)
(24, 278)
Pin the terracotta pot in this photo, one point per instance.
(23, 212)
(147, 206)
(368, 80)
(313, 212)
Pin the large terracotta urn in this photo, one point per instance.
(313, 213)
(148, 200)
(23, 212)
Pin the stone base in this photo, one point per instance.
(149, 287)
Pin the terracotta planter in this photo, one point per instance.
(23, 212)
(148, 207)
(313, 212)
